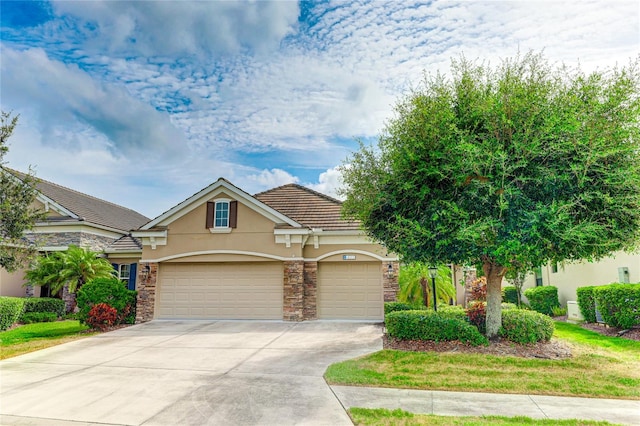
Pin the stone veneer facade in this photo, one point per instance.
(299, 289)
(81, 239)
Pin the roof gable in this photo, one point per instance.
(219, 186)
(307, 207)
(84, 207)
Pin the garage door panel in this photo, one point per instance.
(350, 291)
(221, 291)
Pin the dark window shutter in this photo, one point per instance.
(233, 214)
(211, 207)
(133, 272)
(116, 271)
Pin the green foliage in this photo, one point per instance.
(455, 312)
(430, 325)
(619, 304)
(559, 311)
(398, 306)
(477, 315)
(510, 294)
(414, 275)
(508, 166)
(17, 194)
(543, 299)
(587, 303)
(509, 306)
(44, 304)
(10, 310)
(31, 317)
(522, 326)
(110, 291)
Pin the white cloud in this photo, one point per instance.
(268, 179)
(328, 182)
(167, 28)
(70, 102)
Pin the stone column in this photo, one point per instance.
(146, 284)
(293, 297)
(390, 280)
(310, 307)
(470, 276)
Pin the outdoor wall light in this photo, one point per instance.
(433, 273)
(390, 270)
(145, 271)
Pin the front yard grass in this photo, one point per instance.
(383, 417)
(602, 367)
(33, 337)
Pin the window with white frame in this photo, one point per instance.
(221, 214)
(124, 273)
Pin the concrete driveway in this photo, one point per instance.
(186, 373)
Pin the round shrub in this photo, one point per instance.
(430, 325)
(509, 306)
(521, 326)
(477, 314)
(102, 316)
(10, 310)
(453, 311)
(31, 317)
(543, 299)
(479, 289)
(110, 291)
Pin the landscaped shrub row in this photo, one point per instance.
(10, 310)
(522, 326)
(31, 317)
(430, 325)
(619, 304)
(397, 306)
(510, 294)
(44, 304)
(587, 303)
(111, 292)
(543, 299)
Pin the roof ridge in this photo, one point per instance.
(304, 188)
(39, 179)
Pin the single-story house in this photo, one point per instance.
(283, 254)
(73, 218)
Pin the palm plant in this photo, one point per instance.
(415, 284)
(68, 271)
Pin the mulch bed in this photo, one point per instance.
(554, 349)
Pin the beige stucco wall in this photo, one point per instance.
(570, 276)
(11, 284)
(188, 234)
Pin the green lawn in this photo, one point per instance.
(383, 417)
(602, 367)
(33, 337)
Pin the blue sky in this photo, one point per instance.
(144, 103)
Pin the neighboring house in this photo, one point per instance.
(82, 220)
(284, 254)
(621, 267)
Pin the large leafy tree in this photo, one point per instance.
(68, 271)
(17, 213)
(508, 166)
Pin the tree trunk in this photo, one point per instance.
(425, 293)
(69, 299)
(494, 274)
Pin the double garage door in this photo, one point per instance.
(255, 291)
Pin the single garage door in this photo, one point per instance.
(350, 290)
(220, 290)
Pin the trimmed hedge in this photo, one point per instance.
(430, 325)
(397, 306)
(110, 291)
(510, 294)
(522, 326)
(619, 304)
(452, 311)
(44, 304)
(31, 317)
(10, 310)
(543, 299)
(587, 303)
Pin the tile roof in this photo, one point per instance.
(88, 208)
(125, 243)
(307, 207)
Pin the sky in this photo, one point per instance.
(144, 103)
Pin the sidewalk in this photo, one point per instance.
(477, 404)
